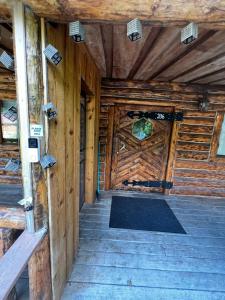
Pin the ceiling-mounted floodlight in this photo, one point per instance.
(134, 30)
(52, 54)
(7, 60)
(50, 110)
(77, 31)
(189, 33)
(47, 161)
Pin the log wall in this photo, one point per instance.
(193, 169)
(65, 80)
(8, 92)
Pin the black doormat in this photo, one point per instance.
(143, 214)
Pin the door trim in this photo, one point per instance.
(110, 134)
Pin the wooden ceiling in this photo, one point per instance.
(6, 43)
(159, 55)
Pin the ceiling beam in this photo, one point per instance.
(7, 27)
(107, 41)
(206, 75)
(187, 50)
(6, 71)
(164, 11)
(216, 81)
(149, 44)
(3, 47)
(198, 66)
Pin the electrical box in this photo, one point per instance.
(34, 150)
(189, 33)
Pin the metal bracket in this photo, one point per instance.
(156, 115)
(158, 184)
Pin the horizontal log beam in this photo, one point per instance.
(164, 12)
(11, 217)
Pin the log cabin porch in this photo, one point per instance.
(141, 119)
(131, 264)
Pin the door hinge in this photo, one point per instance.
(158, 184)
(178, 116)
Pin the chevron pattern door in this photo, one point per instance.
(140, 149)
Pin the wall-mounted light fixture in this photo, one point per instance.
(189, 33)
(52, 54)
(13, 165)
(7, 60)
(134, 30)
(50, 110)
(47, 161)
(77, 31)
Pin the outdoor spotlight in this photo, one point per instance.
(47, 161)
(52, 54)
(134, 30)
(77, 31)
(11, 114)
(189, 33)
(7, 60)
(13, 165)
(50, 110)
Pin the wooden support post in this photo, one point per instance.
(90, 179)
(39, 272)
(39, 265)
(22, 98)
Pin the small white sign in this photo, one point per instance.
(36, 130)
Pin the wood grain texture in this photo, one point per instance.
(8, 92)
(111, 262)
(13, 218)
(39, 267)
(7, 152)
(57, 203)
(40, 273)
(169, 12)
(15, 260)
(75, 72)
(195, 137)
(133, 159)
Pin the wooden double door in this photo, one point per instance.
(140, 148)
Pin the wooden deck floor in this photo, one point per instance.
(130, 264)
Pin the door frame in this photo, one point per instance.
(110, 135)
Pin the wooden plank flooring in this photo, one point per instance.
(130, 264)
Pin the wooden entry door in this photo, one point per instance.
(136, 157)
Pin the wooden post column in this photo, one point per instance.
(30, 77)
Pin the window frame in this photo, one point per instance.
(2, 140)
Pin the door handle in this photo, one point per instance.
(123, 147)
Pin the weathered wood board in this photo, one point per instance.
(76, 69)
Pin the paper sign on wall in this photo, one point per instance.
(36, 130)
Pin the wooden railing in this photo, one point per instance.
(16, 258)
